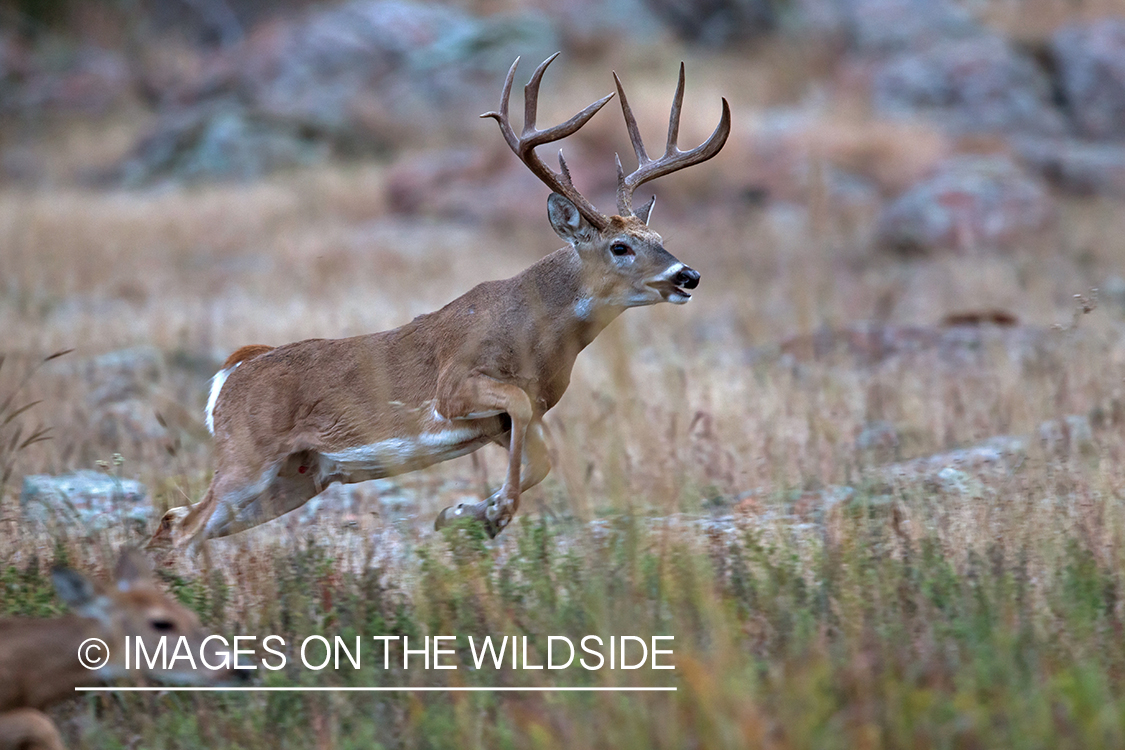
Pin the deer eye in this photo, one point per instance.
(620, 249)
(164, 625)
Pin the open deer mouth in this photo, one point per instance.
(672, 292)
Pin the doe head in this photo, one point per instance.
(136, 607)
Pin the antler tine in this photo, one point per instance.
(502, 117)
(562, 130)
(673, 159)
(631, 124)
(674, 118)
(524, 145)
(531, 94)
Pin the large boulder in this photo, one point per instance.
(89, 499)
(1076, 166)
(880, 27)
(363, 75)
(116, 375)
(886, 26)
(716, 23)
(970, 203)
(123, 385)
(83, 78)
(1091, 68)
(973, 85)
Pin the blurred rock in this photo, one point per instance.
(815, 504)
(1079, 167)
(957, 470)
(219, 141)
(873, 344)
(878, 440)
(790, 153)
(342, 504)
(882, 26)
(1090, 59)
(364, 75)
(123, 385)
(1071, 434)
(413, 57)
(486, 185)
(595, 25)
(716, 23)
(1112, 292)
(116, 375)
(973, 85)
(94, 500)
(83, 79)
(127, 422)
(970, 203)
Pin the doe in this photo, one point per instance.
(40, 658)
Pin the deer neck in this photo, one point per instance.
(564, 302)
(38, 658)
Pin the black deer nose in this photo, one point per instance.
(688, 278)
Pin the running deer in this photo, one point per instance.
(39, 658)
(288, 421)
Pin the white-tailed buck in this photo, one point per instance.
(288, 421)
(39, 658)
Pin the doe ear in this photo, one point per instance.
(567, 221)
(644, 213)
(133, 568)
(78, 591)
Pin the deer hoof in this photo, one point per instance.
(488, 514)
(458, 512)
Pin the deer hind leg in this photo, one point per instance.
(497, 511)
(286, 485)
(238, 500)
(28, 729)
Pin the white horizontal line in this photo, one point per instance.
(294, 689)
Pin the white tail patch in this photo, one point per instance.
(213, 399)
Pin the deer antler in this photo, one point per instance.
(524, 144)
(673, 159)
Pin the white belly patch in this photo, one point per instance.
(398, 455)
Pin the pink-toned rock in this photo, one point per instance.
(970, 203)
(489, 185)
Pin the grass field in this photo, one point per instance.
(713, 475)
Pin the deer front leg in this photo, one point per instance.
(483, 395)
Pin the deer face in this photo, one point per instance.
(625, 264)
(134, 606)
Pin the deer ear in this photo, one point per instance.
(644, 213)
(80, 593)
(74, 588)
(567, 221)
(132, 569)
